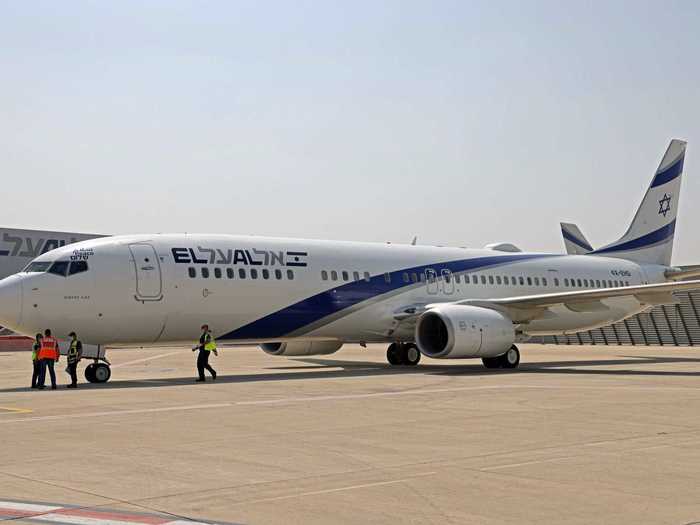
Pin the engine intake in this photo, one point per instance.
(302, 348)
(460, 332)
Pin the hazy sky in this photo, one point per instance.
(461, 122)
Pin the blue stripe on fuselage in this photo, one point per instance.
(316, 307)
(670, 173)
(576, 241)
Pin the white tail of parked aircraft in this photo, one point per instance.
(308, 297)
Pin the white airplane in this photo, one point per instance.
(298, 297)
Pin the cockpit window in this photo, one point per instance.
(59, 268)
(77, 267)
(37, 266)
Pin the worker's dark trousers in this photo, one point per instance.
(203, 364)
(73, 372)
(35, 372)
(47, 363)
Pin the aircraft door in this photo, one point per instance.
(149, 281)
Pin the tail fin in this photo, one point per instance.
(649, 239)
(574, 241)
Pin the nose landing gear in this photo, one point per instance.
(98, 372)
(403, 354)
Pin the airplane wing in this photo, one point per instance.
(529, 307)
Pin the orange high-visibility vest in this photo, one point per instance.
(49, 348)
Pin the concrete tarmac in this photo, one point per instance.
(576, 435)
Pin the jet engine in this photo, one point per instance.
(457, 332)
(301, 348)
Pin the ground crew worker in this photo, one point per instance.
(75, 353)
(207, 344)
(48, 355)
(35, 360)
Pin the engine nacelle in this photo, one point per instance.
(301, 348)
(455, 331)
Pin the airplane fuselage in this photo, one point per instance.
(156, 289)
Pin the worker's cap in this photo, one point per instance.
(72, 334)
(205, 326)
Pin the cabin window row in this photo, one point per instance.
(344, 275)
(241, 273)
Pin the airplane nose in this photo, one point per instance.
(11, 301)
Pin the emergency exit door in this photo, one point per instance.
(149, 283)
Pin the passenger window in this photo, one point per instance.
(387, 278)
(290, 275)
(345, 276)
(414, 277)
(334, 275)
(324, 275)
(490, 279)
(580, 284)
(217, 273)
(597, 283)
(253, 273)
(498, 279)
(566, 282)
(205, 272)
(458, 278)
(266, 273)
(466, 279)
(585, 283)
(278, 274)
(529, 281)
(483, 279)
(406, 279)
(241, 273)
(77, 267)
(544, 281)
(356, 276)
(605, 285)
(191, 272)
(610, 283)
(617, 284)
(59, 268)
(537, 281)
(421, 277)
(521, 280)
(506, 280)
(367, 276)
(556, 282)
(627, 283)
(229, 273)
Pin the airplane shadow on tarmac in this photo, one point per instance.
(319, 369)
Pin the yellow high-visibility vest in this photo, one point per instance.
(210, 343)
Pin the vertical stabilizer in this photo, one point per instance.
(649, 239)
(574, 241)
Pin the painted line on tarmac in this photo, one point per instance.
(117, 413)
(338, 489)
(143, 360)
(10, 410)
(73, 515)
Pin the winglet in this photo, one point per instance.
(574, 241)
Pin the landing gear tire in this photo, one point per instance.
(98, 373)
(411, 355)
(511, 359)
(393, 355)
(491, 362)
(90, 373)
(102, 373)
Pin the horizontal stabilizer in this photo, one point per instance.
(574, 241)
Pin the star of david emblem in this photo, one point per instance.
(665, 205)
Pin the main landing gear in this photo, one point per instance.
(403, 354)
(511, 359)
(98, 372)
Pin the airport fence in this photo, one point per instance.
(666, 325)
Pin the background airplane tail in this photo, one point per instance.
(574, 241)
(649, 239)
